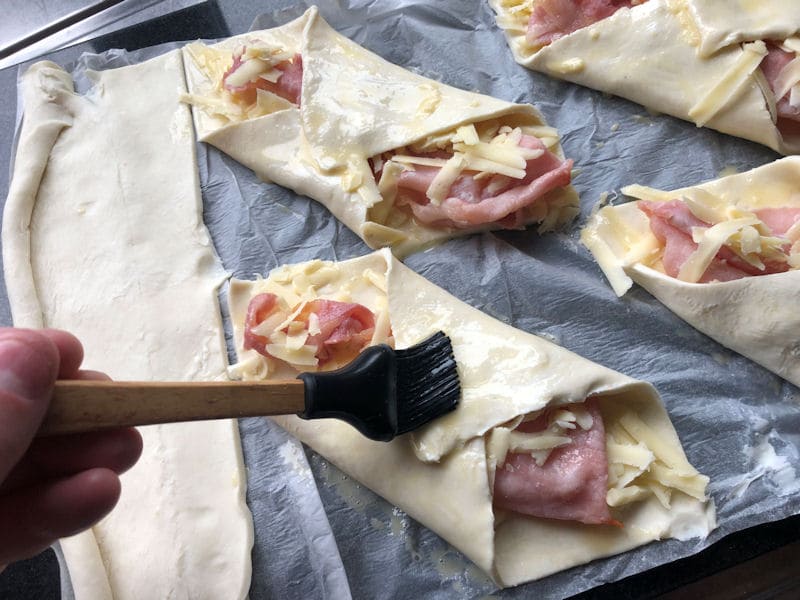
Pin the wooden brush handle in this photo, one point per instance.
(89, 405)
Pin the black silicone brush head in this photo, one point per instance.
(427, 378)
(386, 392)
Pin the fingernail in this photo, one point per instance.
(27, 369)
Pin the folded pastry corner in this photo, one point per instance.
(723, 255)
(402, 160)
(550, 460)
(732, 66)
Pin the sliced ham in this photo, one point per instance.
(570, 485)
(553, 19)
(672, 222)
(772, 65)
(473, 202)
(345, 328)
(779, 220)
(261, 306)
(288, 86)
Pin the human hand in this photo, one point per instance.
(50, 487)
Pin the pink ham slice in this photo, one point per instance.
(672, 222)
(288, 86)
(779, 220)
(571, 484)
(788, 115)
(470, 202)
(260, 307)
(345, 327)
(553, 19)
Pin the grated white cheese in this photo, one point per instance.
(419, 160)
(303, 356)
(620, 496)
(710, 240)
(467, 134)
(788, 78)
(247, 72)
(724, 90)
(445, 178)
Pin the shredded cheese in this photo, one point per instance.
(467, 134)
(710, 241)
(639, 431)
(788, 78)
(303, 356)
(445, 178)
(258, 62)
(641, 464)
(419, 160)
(620, 496)
(726, 89)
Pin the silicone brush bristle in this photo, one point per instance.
(386, 392)
(427, 382)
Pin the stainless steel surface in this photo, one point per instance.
(99, 17)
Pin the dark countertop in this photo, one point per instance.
(759, 562)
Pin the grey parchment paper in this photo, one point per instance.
(318, 533)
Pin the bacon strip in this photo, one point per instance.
(472, 202)
(553, 19)
(571, 485)
(288, 86)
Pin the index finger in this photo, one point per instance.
(70, 351)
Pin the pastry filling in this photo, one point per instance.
(553, 19)
(254, 81)
(562, 463)
(568, 462)
(258, 69)
(476, 175)
(313, 334)
(556, 467)
(701, 242)
(781, 67)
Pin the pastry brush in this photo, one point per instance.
(383, 393)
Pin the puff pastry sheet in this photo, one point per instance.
(103, 236)
(354, 105)
(439, 475)
(670, 55)
(754, 316)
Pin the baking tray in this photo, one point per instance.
(595, 139)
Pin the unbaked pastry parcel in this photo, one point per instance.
(723, 255)
(549, 461)
(402, 160)
(730, 65)
(103, 236)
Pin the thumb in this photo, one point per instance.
(29, 363)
